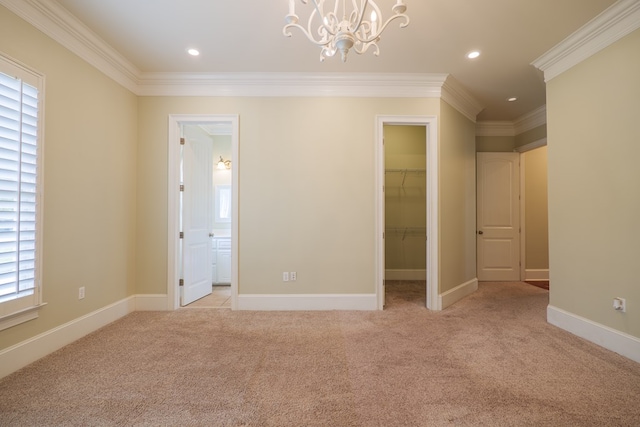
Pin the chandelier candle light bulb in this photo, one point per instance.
(352, 31)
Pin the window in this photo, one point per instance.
(20, 195)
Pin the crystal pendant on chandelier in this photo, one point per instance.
(357, 29)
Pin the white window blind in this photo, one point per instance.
(19, 95)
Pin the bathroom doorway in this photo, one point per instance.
(202, 207)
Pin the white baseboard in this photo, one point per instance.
(151, 302)
(604, 336)
(28, 351)
(292, 302)
(456, 294)
(533, 275)
(405, 274)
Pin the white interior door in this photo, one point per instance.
(197, 220)
(498, 216)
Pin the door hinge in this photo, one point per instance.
(181, 187)
(181, 141)
(181, 282)
(182, 234)
(383, 235)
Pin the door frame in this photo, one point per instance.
(522, 150)
(173, 205)
(431, 123)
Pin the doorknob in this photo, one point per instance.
(211, 234)
(480, 232)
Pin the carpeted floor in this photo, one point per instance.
(490, 359)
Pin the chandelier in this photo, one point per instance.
(339, 34)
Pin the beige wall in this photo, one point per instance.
(457, 199)
(532, 135)
(495, 144)
(594, 202)
(405, 147)
(318, 201)
(536, 215)
(89, 181)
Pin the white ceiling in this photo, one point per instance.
(246, 36)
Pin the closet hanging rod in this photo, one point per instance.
(405, 170)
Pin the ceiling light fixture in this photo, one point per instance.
(193, 52)
(334, 34)
(473, 54)
(512, 99)
(223, 164)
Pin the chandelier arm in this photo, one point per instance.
(383, 26)
(363, 6)
(361, 48)
(287, 33)
(319, 8)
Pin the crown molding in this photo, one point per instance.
(292, 85)
(54, 21)
(620, 19)
(495, 128)
(57, 23)
(531, 120)
(459, 98)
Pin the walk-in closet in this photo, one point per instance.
(405, 208)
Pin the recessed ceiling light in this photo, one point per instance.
(473, 54)
(193, 52)
(512, 99)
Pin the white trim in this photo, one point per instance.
(456, 294)
(365, 85)
(622, 18)
(433, 159)
(495, 128)
(28, 351)
(531, 120)
(294, 302)
(522, 124)
(536, 275)
(531, 146)
(405, 274)
(151, 302)
(21, 316)
(454, 94)
(523, 214)
(173, 184)
(604, 336)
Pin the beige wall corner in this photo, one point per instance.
(593, 152)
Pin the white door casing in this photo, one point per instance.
(173, 204)
(431, 123)
(498, 216)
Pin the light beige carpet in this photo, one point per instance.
(491, 359)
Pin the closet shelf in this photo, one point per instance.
(407, 231)
(406, 172)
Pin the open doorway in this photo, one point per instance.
(415, 231)
(202, 207)
(405, 156)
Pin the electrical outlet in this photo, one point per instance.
(81, 292)
(293, 276)
(620, 304)
(285, 276)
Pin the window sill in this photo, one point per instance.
(19, 317)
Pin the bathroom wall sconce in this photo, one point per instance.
(223, 164)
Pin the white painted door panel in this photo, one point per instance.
(197, 220)
(498, 216)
